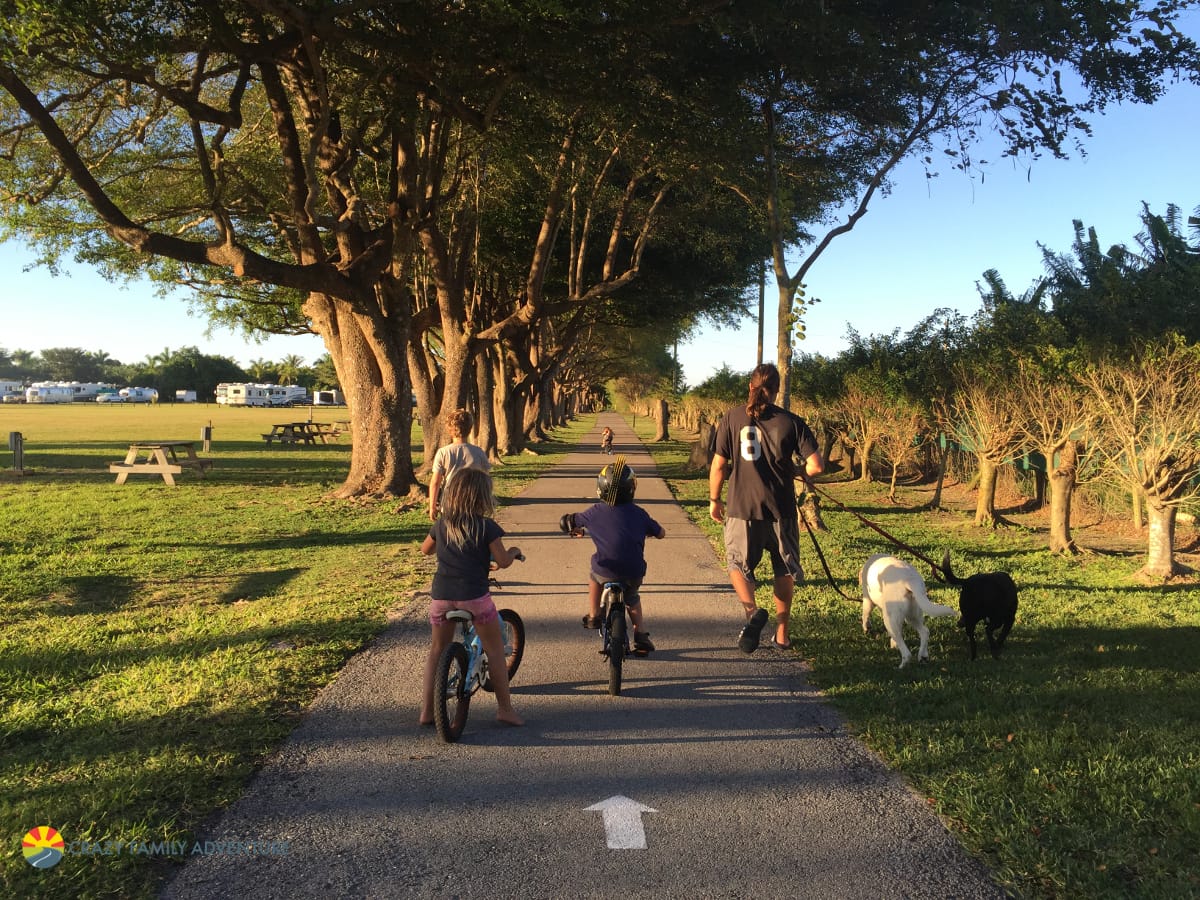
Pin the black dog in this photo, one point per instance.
(990, 598)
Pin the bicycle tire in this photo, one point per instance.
(617, 643)
(513, 631)
(451, 695)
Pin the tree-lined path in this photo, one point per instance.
(752, 783)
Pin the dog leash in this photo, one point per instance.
(824, 564)
(938, 570)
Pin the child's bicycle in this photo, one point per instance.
(462, 669)
(614, 619)
(614, 632)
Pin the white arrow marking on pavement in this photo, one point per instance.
(622, 822)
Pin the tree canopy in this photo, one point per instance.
(459, 197)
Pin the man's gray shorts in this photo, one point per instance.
(747, 539)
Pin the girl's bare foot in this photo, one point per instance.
(425, 719)
(509, 718)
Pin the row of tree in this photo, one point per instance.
(1094, 371)
(486, 204)
(168, 371)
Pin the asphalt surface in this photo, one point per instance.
(741, 781)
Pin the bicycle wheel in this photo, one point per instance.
(617, 644)
(512, 629)
(451, 696)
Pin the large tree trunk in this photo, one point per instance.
(1061, 478)
(829, 437)
(702, 451)
(985, 501)
(1160, 555)
(663, 418)
(866, 475)
(1135, 508)
(372, 369)
(485, 419)
(504, 404)
(943, 453)
(810, 511)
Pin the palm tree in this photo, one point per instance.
(289, 369)
(261, 370)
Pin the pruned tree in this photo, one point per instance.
(1148, 411)
(1056, 419)
(988, 424)
(862, 410)
(903, 432)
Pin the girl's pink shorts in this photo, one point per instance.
(482, 608)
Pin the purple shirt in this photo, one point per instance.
(619, 533)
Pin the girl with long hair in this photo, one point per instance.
(467, 541)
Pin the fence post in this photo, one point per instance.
(206, 436)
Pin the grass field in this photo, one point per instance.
(1071, 766)
(158, 642)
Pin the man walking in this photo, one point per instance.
(757, 448)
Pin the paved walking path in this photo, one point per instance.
(748, 783)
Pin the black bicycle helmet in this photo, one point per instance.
(616, 483)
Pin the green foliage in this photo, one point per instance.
(1068, 766)
(724, 384)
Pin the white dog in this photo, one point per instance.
(899, 592)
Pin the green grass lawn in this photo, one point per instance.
(157, 642)
(1071, 766)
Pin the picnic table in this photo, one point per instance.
(301, 432)
(165, 458)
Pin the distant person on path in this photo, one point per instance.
(467, 541)
(757, 448)
(606, 440)
(619, 528)
(456, 455)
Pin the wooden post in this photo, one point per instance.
(206, 436)
(16, 443)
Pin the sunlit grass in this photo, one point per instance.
(1071, 766)
(157, 642)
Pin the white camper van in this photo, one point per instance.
(81, 391)
(12, 392)
(139, 394)
(49, 393)
(235, 394)
(185, 396)
(328, 398)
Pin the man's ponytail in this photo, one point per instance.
(764, 384)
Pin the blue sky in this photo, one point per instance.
(923, 247)
(927, 244)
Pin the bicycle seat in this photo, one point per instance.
(460, 615)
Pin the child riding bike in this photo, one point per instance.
(467, 541)
(606, 440)
(619, 528)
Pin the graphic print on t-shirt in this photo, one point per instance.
(751, 446)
